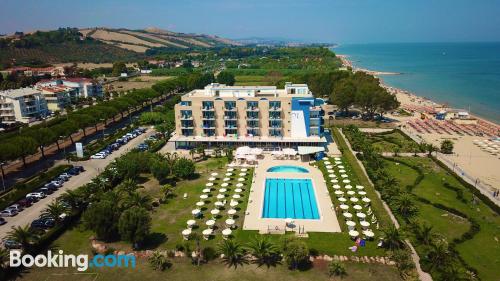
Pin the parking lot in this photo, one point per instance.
(92, 168)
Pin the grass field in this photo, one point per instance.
(389, 142)
(482, 251)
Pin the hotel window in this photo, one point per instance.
(208, 115)
(274, 105)
(252, 104)
(186, 114)
(252, 115)
(185, 103)
(207, 105)
(229, 105)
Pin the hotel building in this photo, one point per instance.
(22, 105)
(84, 87)
(256, 116)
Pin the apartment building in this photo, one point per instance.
(58, 97)
(257, 116)
(84, 87)
(22, 105)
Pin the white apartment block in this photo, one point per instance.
(22, 105)
(84, 87)
(256, 116)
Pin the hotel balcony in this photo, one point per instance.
(274, 108)
(231, 109)
(207, 109)
(208, 117)
(230, 117)
(185, 117)
(315, 108)
(252, 109)
(187, 127)
(231, 127)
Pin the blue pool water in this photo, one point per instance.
(287, 169)
(290, 198)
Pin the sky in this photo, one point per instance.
(331, 21)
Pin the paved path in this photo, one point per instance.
(92, 168)
(423, 276)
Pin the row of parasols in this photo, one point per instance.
(219, 204)
(352, 194)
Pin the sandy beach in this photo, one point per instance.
(468, 159)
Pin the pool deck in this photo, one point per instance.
(253, 215)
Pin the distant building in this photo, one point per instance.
(84, 87)
(146, 71)
(53, 71)
(22, 105)
(59, 96)
(257, 116)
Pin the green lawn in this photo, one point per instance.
(388, 142)
(483, 250)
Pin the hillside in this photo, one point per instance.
(141, 40)
(96, 45)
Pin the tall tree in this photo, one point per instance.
(134, 225)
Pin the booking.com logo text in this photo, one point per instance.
(80, 262)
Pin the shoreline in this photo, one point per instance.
(406, 97)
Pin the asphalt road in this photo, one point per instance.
(92, 167)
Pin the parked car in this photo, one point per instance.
(25, 203)
(2, 221)
(57, 182)
(11, 244)
(37, 195)
(99, 155)
(8, 213)
(16, 207)
(79, 168)
(45, 190)
(43, 223)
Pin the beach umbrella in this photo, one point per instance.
(351, 193)
(226, 232)
(342, 171)
(214, 174)
(361, 215)
(222, 190)
(357, 207)
(242, 174)
(346, 181)
(241, 179)
(350, 223)
(364, 224)
(334, 181)
(195, 212)
(361, 192)
(340, 167)
(342, 199)
(329, 166)
(238, 190)
(360, 187)
(353, 233)
(336, 186)
(233, 203)
(369, 233)
(206, 233)
(236, 196)
(344, 176)
(220, 196)
(354, 199)
(206, 190)
(226, 179)
(344, 207)
(230, 170)
(339, 192)
(190, 223)
(203, 196)
(244, 170)
(211, 179)
(229, 174)
(330, 171)
(239, 185)
(199, 204)
(231, 212)
(347, 215)
(210, 223)
(332, 175)
(218, 204)
(215, 212)
(348, 187)
(209, 184)
(185, 233)
(337, 158)
(225, 184)
(366, 200)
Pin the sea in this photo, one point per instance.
(463, 75)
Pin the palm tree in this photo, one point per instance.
(159, 261)
(424, 233)
(393, 239)
(167, 190)
(24, 236)
(191, 153)
(430, 149)
(454, 273)
(405, 205)
(73, 199)
(264, 251)
(439, 254)
(197, 238)
(336, 268)
(396, 150)
(4, 259)
(414, 148)
(55, 211)
(233, 252)
(135, 199)
(128, 186)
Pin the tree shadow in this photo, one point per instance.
(153, 240)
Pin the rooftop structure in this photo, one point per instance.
(22, 105)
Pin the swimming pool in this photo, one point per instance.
(289, 198)
(287, 169)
